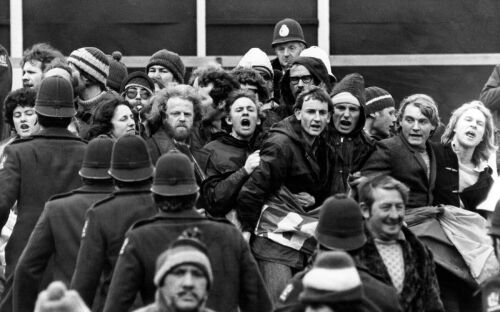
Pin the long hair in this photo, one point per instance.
(484, 149)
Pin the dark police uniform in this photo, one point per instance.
(102, 236)
(57, 233)
(31, 171)
(237, 281)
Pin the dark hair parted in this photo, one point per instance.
(42, 52)
(249, 76)
(313, 93)
(24, 97)
(366, 189)
(222, 81)
(101, 120)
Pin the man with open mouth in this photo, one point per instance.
(409, 156)
(294, 157)
(34, 63)
(351, 144)
(233, 155)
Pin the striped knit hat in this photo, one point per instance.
(92, 61)
(377, 99)
(332, 279)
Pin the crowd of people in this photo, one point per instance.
(273, 186)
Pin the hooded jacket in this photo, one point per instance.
(353, 149)
(285, 160)
(317, 69)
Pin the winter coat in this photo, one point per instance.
(447, 180)
(161, 143)
(57, 234)
(237, 281)
(420, 289)
(103, 234)
(350, 153)
(86, 109)
(31, 171)
(226, 173)
(285, 160)
(395, 157)
(379, 294)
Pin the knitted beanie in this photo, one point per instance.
(139, 79)
(340, 224)
(377, 99)
(257, 59)
(187, 249)
(171, 61)
(332, 279)
(287, 30)
(319, 53)
(351, 89)
(117, 71)
(92, 61)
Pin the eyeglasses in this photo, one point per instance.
(131, 93)
(305, 79)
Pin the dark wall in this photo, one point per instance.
(233, 27)
(135, 27)
(418, 27)
(4, 24)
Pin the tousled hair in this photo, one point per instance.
(483, 151)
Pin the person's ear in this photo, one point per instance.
(365, 210)
(228, 120)
(297, 113)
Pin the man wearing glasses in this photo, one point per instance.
(137, 90)
(304, 72)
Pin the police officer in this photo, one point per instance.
(237, 281)
(57, 232)
(107, 221)
(34, 169)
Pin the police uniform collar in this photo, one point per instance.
(181, 214)
(55, 132)
(131, 189)
(100, 188)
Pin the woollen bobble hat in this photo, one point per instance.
(92, 61)
(495, 221)
(340, 224)
(139, 79)
(130, 160)
(287, 30)
(174, 175)
(377, 99)
(332, 279)
(171, 61)
(117, 71)
(55, 98)
(351, 89)
(97, 159)
(184, 250)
